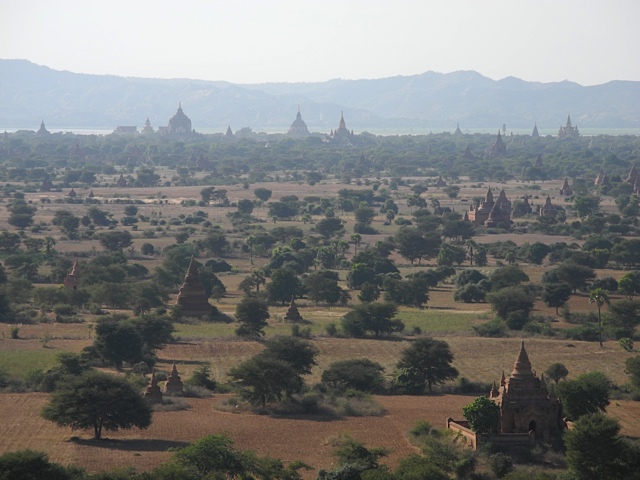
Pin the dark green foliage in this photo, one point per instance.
(588, 393)
(116, 241)
(493, 328)
(501, 464)
(298, 353)
(424, 364)
(34, 465)
(358, 374)
(623, 317)
(375, 317)
(118, 341)
(201, 377)
(413, 245)
(412, 292)
(470, 293)
(576, 276)
(632, 368)
(482, 415)
(329, 227)
(556, 372)
(263, 194)
(214, 457)
(595, 450)
(510, 299)
(99, 401)
(556, 294)
(263, 379)
(284, 286)
(322, 286)
(510, 276)
(468, 276)
(252, 314)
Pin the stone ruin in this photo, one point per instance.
(293, 314)
(152, 393)
(174, 383)
(192, 296)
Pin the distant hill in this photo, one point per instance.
(429, 101)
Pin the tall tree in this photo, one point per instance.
(426, 363)
(600, 298)
(99, 401)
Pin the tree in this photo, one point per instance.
(537, 252)
(147, 249)
(21, 214)
(450, 254)
(413, 245)
(594, 449)
(245, 206)
(511, 299)
(67, 222)
(116, 241)
(632, 368)
(576, 276)
(629, 284)
(284, 285)
(556, 294)
(214, 457)
(556, 372)
(215, 243)
(585, 206)
(263, 194)
(298, 353)
(413, 291)
(252, 313)
(510, 276)
(600, 298)
(99, 401)
(482, 414)
(322, 286)
(426, 363)
(118, 341)
(263, 379)
(375, 317)
(588, 393)
(360, 374)
(329, 227)
(34, 465)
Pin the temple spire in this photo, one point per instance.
(522, 365)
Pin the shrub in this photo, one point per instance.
(493, 328)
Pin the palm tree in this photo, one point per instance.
(599, 297)
(356, 239)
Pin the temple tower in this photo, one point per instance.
(180, 123)
(71, 280)
(298, 127)
(293, 314)
(174, 383)
(192, 296)
(153, 393)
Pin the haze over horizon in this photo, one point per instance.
(250, 42)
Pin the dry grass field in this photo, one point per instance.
(307, 438)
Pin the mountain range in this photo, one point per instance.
(416, 103)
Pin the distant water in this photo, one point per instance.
(375, 131)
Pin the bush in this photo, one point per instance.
(517, 320)
(202, 378)
(470, 293)
(493, 328)
(500, 464)
(587, 333)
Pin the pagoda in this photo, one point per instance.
(174, 383)
(525, 403)
(192, 296)
(341, 134)
(440, 182)
(457, 131)
(467, 153)
(498, 148)
(568, 131)
(72, 193)
(42, 131)
(535, 133)
(566, 189)
(179, 123)
(71, 280)
(293, 314)
(548, 209)
(153, 393)
(538, 163)
(147, 127)
(298, 127)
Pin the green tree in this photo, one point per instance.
(426, 363)
(21, 214)
(629, 284)
(252, 313)
(116, 241)
(215, 457)
(245, 206)
(263, 194)
(594, 448)
(450, 254)
(413, 245)
(118, 341)
(600, 298)
(556, 372)
(215, 243)
(482, 414)
(509, 300)
(263, 379)
(374, 317)
(588, 393)
(322, 286)
(510, 276)
(360, 374)
(632, 368)
(99, 401)
(556, 294)
(329, 227)
(34, 465)
(284, 285)
(586, 206)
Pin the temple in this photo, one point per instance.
(498, 148)
(535, 133)
(601, 178)
(71, 280)
(490, 212)
(548, 209)
(525, 404)
(174, 383)
(192, 296)
(633, 175)
(147, 127)
(457, 131)
(179, 123)
(566, 189)
(293, 314)
(121, 182)
(152, 393)
(568, 131)
(538, 163)
(341, 133)
(440, 182)
(298, 127)
(42, 131)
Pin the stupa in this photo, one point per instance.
(293, 314)
(191, 296)
(153, 393)
(174, 384)
(71, 280)
(566, 189)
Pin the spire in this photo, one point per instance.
(342, 124)
(522, 365)
(193, 267)
(494, 390)
(503, 379)
(568, 120)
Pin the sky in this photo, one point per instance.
(589, 42)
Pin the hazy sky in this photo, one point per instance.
(253, 41)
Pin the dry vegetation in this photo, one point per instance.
(295, 437)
